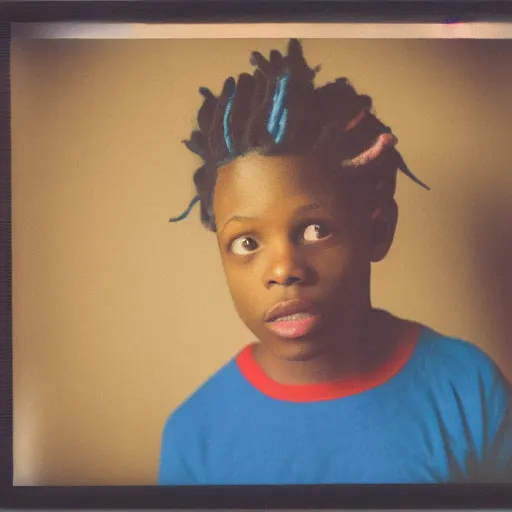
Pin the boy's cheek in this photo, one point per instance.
(334, 264)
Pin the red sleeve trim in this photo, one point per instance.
(329, 390)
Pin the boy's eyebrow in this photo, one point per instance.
(300, 210)
(307, 208)
(238, 218)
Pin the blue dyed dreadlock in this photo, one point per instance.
(277, 110)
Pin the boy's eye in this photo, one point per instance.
(315, 232)
(243, 245)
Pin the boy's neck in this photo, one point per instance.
(364, 346)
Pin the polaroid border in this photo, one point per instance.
(254, 11)
(6, 371)
(298, 497)
(250, 497)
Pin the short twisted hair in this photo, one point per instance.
(278, 110)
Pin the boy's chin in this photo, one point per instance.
(297, 350)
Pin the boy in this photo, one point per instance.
(298, 184)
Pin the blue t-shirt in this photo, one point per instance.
(439, 413)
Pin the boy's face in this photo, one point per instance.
(286, 232)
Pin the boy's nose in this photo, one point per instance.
(284, 267)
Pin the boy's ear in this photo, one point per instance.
(383, 230)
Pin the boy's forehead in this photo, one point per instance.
(257, 184)
(273, 176)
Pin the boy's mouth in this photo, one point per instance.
(292, 319)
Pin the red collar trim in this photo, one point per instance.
(329, 390)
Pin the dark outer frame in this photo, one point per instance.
(250, 497)
(250, 11)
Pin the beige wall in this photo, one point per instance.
(119, 315)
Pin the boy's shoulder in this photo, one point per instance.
(457, 363)
(452, 352)
(218, 392)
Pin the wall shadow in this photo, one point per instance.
(491, 245)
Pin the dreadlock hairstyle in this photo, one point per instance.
(278, 110)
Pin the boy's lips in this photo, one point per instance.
(292, 319)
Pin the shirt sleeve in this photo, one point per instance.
(174, 468)
(497, 461)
